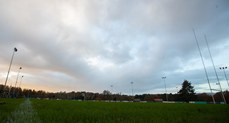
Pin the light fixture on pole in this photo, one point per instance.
(165, 88)
(15, 50)
(19, 70)
(223, 68)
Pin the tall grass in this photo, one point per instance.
(72, 111)
(9, 106)
(24, 113)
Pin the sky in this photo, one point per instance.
(89, 45)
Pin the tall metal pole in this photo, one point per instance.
(111, 88)
(17, 79)
(132, 88)
(15, 50)
(9, 90)
(111, 92)
(165, 88)
(206, 74)
(215, 69)
(225, 73)
(19, 85)
(20, 81)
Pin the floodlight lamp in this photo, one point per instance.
(15, 49)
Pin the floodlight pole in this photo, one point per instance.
(206, 74)
(165, 88)
(21, 81)
(223, 68)
(132, 88)
(9, 90)
(19, 70)
(19, 85)
(15, 50)
(111, 92)
(215, 69)
(111, 88)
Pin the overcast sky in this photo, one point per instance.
(89, 45)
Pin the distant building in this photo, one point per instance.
(137, 100)
(158, 100)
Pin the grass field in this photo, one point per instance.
(10, 106)
(73, 111)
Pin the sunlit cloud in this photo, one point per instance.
(85, 45)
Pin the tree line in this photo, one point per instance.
(186, 93)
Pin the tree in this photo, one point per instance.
(107, 95)
(187, 92)
(204, 97)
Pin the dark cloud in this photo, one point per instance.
(90, 45)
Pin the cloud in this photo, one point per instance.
(90, 45)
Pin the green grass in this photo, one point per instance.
(8, 107)
(72, 111)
